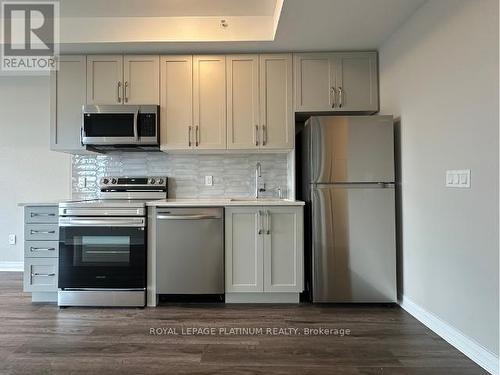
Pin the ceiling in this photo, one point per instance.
(178, 26)
(165, 8)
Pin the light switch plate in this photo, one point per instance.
(12, 239)
(209, 180)
(458, 178)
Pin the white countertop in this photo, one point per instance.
(194, 202)
(223, 202)
(45, 203)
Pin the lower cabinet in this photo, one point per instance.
(40, 274)
(41, 252)
(264, 249)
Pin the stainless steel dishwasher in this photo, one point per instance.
(190, 251)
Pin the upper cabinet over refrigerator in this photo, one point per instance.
(345, 82)
(351, 149)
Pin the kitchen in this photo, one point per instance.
(265, 182)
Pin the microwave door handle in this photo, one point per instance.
(136, 125)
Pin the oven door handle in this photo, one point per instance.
(101, 222)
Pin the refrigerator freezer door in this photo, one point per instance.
(351, 149)
(354, 247)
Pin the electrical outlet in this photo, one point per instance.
(12, 239)
(209, 180)
(82, 182)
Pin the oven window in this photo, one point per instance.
(102, 251)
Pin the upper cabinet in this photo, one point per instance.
(243, 123)
(176, 102)
(276, 112)
(104, 79)
(141, 79)
(215, 102)
(209, 102)
(117, 79)
(67, 95)
(336, 82)
(193, 103)
(259, 102)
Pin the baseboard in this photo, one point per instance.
(12, 266)
(466, 345)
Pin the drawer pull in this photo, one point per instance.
(42, 249)
(42, 274)
(34, 214)
(42, 231)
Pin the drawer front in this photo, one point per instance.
(41, 214)
(40, 274)
(41, 249)
(41, 232)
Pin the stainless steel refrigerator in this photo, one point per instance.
(347, 175)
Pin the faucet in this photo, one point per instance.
(259, 187)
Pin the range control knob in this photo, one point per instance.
(160, 181)
(113, 181)
(152, 181)
(105, 181)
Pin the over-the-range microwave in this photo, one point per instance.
(122, 127)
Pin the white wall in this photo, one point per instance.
(439, 74)
(29, 172)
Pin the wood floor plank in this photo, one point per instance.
(42, 339)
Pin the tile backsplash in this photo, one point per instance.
(233, 174)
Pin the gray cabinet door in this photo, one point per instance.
(242, 72)
(357, 82)
(176, 103)
(276, 112)
(141, 79)
(283, 249)
(314, 82)
(67, 96)
(40, 274)
(244, 249)
(354, 250)
(209, 102)
(105, 79)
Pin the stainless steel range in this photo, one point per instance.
(102, 244)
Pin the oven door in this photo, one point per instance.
(110, 125)
(103, 257)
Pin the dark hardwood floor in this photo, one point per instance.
(42, 339)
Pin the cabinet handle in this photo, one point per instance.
(42, 249)
(189, 135)
(42, 274)
(119, 92)
(125, 92)
(34, 214)
(333, 94)
(256, 135)
(197, 135)
(42, 231)
(268, 222)
(341, 97)
(264, 135)
(259, 223)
